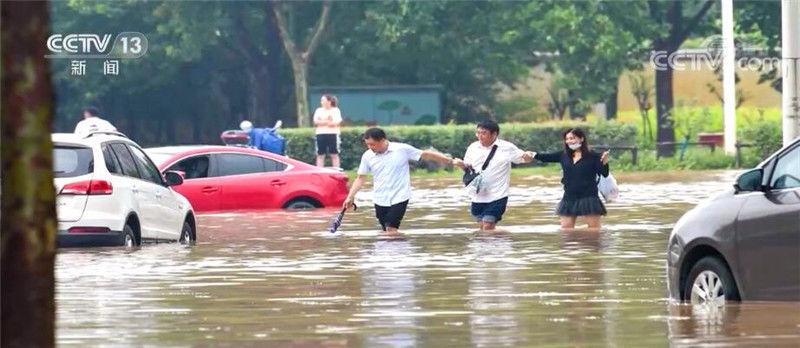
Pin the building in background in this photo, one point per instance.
(384, 105)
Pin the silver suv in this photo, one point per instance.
(745, 243)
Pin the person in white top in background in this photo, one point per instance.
(92, 123)
(489, 204)
(391, 182)
(327, 119)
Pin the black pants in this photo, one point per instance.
(391, 216)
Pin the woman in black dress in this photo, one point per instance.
(580, 168)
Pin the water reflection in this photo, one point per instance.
(388, 291)
(278, 279)
(491, 281)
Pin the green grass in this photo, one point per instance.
(690, 119)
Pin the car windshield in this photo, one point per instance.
(69, 161)
(159, 157)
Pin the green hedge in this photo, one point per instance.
(454, 139)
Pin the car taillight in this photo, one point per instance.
(89, 230)
(90, 187)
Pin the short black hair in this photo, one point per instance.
(375, 133)
(490, 125)
(92, 110)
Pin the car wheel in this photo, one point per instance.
(710, 282)
(300, 205)
(186, 233)
(128, 237)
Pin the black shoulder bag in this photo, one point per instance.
(469, 172)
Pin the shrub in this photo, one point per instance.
(454, 139)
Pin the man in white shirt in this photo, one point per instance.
(92, 123)
(489, 204)
(391, 181)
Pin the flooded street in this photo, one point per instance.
(277, 278)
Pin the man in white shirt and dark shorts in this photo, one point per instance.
(489, 203)
(391, 181)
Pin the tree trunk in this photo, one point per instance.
(301, 94)
(665, 131)
(300, 57)
(28, 203)
(272, 76)
(611, 101)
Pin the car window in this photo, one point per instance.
(111, 160)
(69, 161)
(273, 165)
(235, 164)
(787, 171)
(194, 167)
(147, 169)
(126, 161)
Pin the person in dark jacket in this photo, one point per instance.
(580, 168)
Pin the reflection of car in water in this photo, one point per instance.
(219, 178)
(745, 243)
(110, 193)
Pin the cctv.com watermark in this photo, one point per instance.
(711, 56)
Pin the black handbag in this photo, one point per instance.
(470, 174)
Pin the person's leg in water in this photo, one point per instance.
(593, 221)
(493, 213)
(567, 222)
(390, 218)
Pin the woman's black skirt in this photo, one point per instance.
(581, 206)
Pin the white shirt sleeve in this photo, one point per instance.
(412, 153)
(514, 153)
(363, 167)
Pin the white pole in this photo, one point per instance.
(728, 77)
(790, 39)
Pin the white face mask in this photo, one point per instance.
(574, 146)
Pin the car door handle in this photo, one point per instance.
(277, 182)
(209, 189)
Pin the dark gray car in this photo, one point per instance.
(743, 244)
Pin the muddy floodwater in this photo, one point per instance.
(278, 279)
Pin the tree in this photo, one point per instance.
(301, 55)
(28, 204)
(676, 29)
(470, 48)
(642, 90)
(592, 43)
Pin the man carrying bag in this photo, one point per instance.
(491, 185)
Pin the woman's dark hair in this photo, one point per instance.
(332, 99)
(580, 134)
(375, 133)
(490, 125)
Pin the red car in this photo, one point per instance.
(218, 178)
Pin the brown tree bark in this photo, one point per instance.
(300, 56)
(679, 30)
(28, 209)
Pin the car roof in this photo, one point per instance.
(186, 150)
(91, 139)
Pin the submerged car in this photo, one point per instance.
(108, 192)
(225, 178)
(743, 244)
